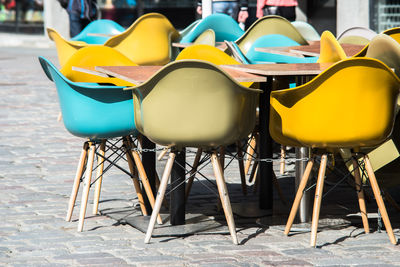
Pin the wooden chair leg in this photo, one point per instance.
(379, 200)
(145, 180)
(360, 195)
(99, 177)
(282, 162)
(299, 195)
(222, 157)
(77, 181)
(193, 173)
(135, 180)
(253, 173)
(86, 186)
(241, 168)
(160, 196)
(224, 196)
(250, 152)
(317, 200)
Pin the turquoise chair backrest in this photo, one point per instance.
(275, 40)
(101, 26)
(224, 26)
(91, 110)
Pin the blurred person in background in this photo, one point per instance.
(283, 8)
(234, 8)
(81, 13)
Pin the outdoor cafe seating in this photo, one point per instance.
(193, 102)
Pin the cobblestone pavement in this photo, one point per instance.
(38, 158)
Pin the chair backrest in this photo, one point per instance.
(189, 28)
(210, 54)
(92, 111)
(269, 25)
(331, 51)
(274, 40)
(233, 50)
(101, 26)
(357, 40)
(193, 103)
(365, 33)
(349, 105)
(147, 41)
(393, 32)
(91, 57)
(207, 37)
(386, 49)
(65, 48)
(306, 30)
(224, 26)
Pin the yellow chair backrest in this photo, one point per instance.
(269, 25)
(93, 56)
(331, 51)
(147, 41)
(349, 105)
(65, 48)
(210, 54)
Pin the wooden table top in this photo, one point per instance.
(282, 69)
(220, 45)
(312, 50)
(140, 74)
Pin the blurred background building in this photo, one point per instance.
(32, 16)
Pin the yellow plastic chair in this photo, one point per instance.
(331, 51)
(386, 49)
(186, 85)
(91, 57)
(350, 105)
(147, 41)
(269, 25)
(207, 38)
(65, 48)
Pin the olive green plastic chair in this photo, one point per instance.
(269, 25)
(207, 38)
(218, 57)
(356, 35)
(393, 32)
(206, 108)
(306, 30)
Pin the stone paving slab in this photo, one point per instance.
(38, 159)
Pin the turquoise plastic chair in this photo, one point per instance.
(97, 113)
(224, 26)
(271, 40)
(101, 26)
